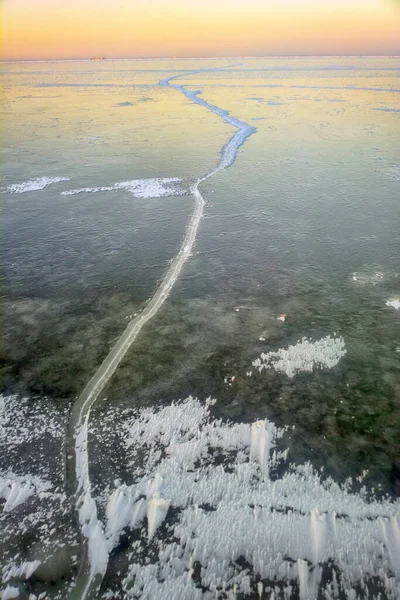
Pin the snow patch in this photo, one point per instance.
(395, 303)
(304, 356)
(33, 185)
(140, 188)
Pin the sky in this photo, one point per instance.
(42, 29)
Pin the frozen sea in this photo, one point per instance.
(286, 312)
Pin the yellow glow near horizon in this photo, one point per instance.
(34, 29)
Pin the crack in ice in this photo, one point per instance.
(94, 556)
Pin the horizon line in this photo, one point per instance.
(88, 58)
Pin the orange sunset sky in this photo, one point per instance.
(40, 29)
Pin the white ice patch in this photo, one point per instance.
(15, 489)
(9, 592)
(394, 303)
(303, 356)
(33, 185)
(140, 188)
(230, 508)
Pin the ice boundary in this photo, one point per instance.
(94, 550)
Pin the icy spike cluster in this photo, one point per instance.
(303, 356)
(213, 519)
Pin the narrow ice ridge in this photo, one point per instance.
(91, 526)
(32, 185)
(140, 188)
(95, 557)
(303, 356)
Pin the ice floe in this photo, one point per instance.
(33, 185)
(304, 356)
(140, 188)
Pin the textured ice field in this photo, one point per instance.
(214, 508)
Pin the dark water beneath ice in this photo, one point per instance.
(305, 223)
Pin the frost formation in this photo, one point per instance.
(303, 356)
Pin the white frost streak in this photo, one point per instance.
(304, 356)
(33, 185)
(140, 188)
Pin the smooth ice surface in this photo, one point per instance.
(304, 356)
(33, 185)
(140, 188)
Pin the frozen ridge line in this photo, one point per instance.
(94, 552)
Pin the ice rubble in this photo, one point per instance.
(237, 525)
(33, 185)
(303, 356)
(395, 303)
(140, 188)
